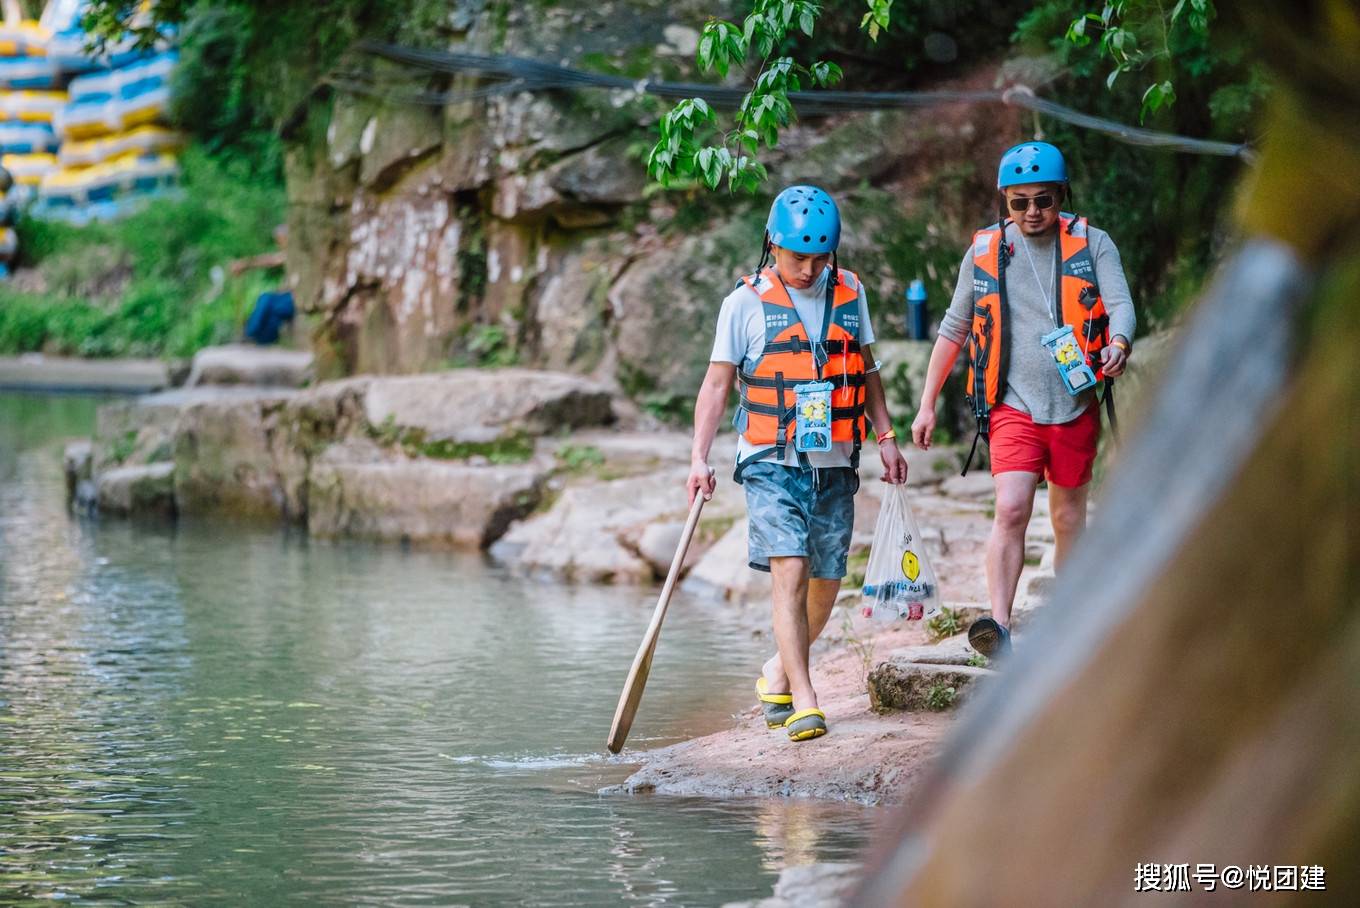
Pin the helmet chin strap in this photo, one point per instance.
(767, 246)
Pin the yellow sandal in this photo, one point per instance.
(806, 724)
(777, 707)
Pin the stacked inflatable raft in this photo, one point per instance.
(82, 135)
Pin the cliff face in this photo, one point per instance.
(519, 228)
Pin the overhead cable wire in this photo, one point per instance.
(524, 74)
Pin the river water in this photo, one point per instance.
(205, 714)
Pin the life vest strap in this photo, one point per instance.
(802, 345)
(983, 424)
(784, 414)
(756, 455)
(838, 381)
(1109, 408)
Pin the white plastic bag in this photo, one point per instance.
(899, 581)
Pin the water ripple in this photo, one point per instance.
(198, 715)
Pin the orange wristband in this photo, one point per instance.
(885, 436)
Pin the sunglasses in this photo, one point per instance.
(1041, 202)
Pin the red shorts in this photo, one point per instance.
(1064, 454)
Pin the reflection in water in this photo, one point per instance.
(209, 714)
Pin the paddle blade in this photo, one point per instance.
(629, 699)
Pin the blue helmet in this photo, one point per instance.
(1031, 162)
(804, 219)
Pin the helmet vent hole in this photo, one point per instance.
(804, 211)
(1019, 169)
(1034, 167)
(822, 240)
(807, 239)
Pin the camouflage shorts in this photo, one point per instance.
(796, 514)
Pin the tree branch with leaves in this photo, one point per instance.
(1134, 34)
(696, 145)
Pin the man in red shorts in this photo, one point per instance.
(1043, 307)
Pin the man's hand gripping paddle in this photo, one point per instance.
(642, 662)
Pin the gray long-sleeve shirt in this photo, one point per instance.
(1033, 384)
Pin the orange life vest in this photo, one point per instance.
(1078, 302)
(766, 417)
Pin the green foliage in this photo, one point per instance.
(512, 449)
(940, 696)
(213, 97)
(678, 154)
(489, 345)
(144, 285)
(877, 18)
(123, 446)
(977, 660)
(1162, 209)
(1136, 34)
(711, 529)
(861, 645)
(580, 458)
(855, 565)
(946, 624)
(284, 46)
(668, 406)
(769, 45)
(415, 442)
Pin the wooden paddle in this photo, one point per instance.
(642, 662)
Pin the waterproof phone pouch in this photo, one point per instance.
(812, 428)
(1071, 363)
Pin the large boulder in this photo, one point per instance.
(248, 364)
(141, 489)
(223, 458)
(594, 529)
(902, 684)
(571, 316)
(359, 490)
(668, 301)
(483, 405)
(308, 423)
(724, 571)
(140, 430)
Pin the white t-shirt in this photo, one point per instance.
(740, 340)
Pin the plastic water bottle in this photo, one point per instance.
(916, 310)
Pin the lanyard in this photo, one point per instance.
(819, 356)
(1048, 301)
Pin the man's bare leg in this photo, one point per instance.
(821, 598)
(791, 627)
(1006, 546)
(1067, 510)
